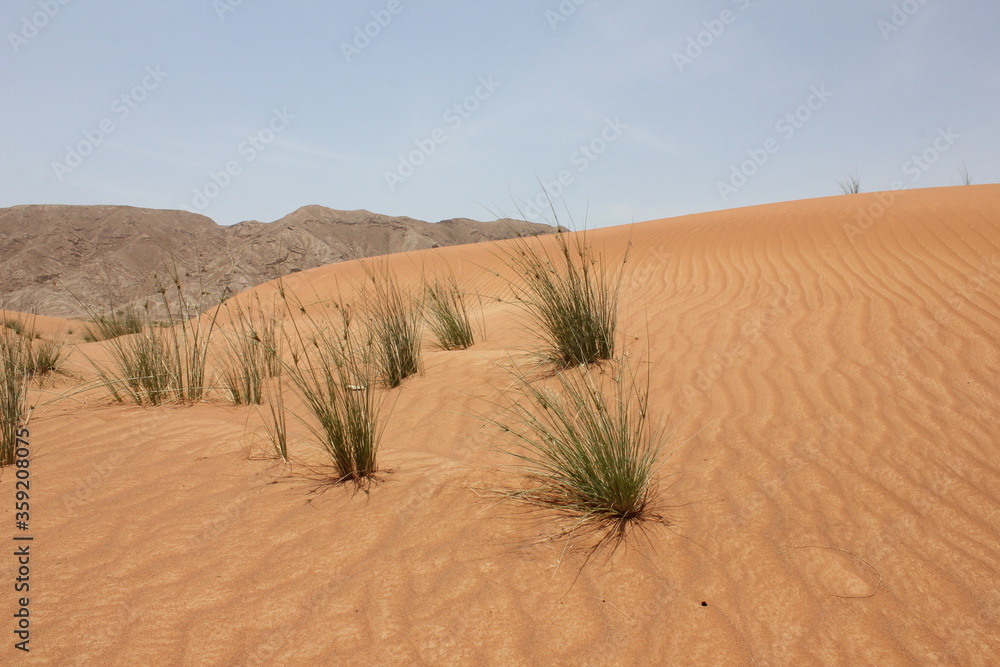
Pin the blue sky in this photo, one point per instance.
(625, 110)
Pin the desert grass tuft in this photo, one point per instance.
(393, 326)
(15, 325)
(965, 175)
(113, 323)
(588, 448)
(251, 354)
(447, 314)
(13, 391)
(572, 297)
(850, 185)
(162, 363)
(335, 379)
(275, 423)
(44, 357)
(141, 369)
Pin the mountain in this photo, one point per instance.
(55, 257)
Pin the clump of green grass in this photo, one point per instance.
(251, 354)
(447, 314)
(589, 449)
(44, 358)
(17, 326)
(13, 392)
(114, 323)
(162, 363)
(571, 295)
(335, 379)
(276, 423)
(393, 326)
(141, 368)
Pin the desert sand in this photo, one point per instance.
(829, 369)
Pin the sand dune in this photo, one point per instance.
(831, 368)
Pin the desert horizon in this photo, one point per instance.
(821, 391)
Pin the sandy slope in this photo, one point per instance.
(835, 489)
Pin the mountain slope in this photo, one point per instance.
(102, 253)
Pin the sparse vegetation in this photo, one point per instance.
(965, 174)
(17, 326)
(275, 424)
(851, 185)
(393, 327)
(336, 382)
(447, 314)
(45, 357)
(114, 323)
(589, 448)
(572, 297)
(13, 391)
(158, 363)
(251, 354)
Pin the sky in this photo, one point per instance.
(615, 112)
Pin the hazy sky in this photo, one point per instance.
(246, 109)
